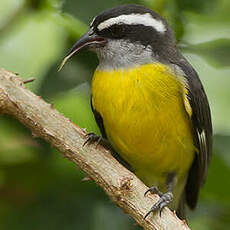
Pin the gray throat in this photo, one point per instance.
(122, 54)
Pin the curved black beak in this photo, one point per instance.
(89, 38)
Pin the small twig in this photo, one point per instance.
(29, 80)
(87, 178)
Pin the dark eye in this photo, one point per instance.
(117, 31)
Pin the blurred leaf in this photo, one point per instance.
(214, 217)
(217, 188)
(44, 4)
(202, 28)
(70, 24)
(216, 52)
(86, 11)
(9, 9)
(16, 146)
(196, 5)
(32, 46)
(104, 211)
(75, 104)
(222, 147)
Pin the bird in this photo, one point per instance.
(149, 104)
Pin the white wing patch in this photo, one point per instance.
(134, 19)
(203, 151)
(202, 140)
(201, 136)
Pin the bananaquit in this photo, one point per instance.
(149, 103)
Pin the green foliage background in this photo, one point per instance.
(41, 190)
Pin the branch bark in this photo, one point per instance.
(122, 186)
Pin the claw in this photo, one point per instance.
(98, 141)
(165, 199)
(149, 190)
(154, 190)
(92, 138)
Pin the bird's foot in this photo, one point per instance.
(94, 138)
(165, 199)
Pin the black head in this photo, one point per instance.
(126, 28)
(135, 23)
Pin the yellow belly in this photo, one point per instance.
(145, 120)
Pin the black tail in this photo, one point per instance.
(181, 208)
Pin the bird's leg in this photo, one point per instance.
(165, 198)
(94, 138)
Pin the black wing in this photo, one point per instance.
(98, 119)
(201, 119)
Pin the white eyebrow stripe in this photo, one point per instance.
(134, 19)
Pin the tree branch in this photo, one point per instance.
(122, 186)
